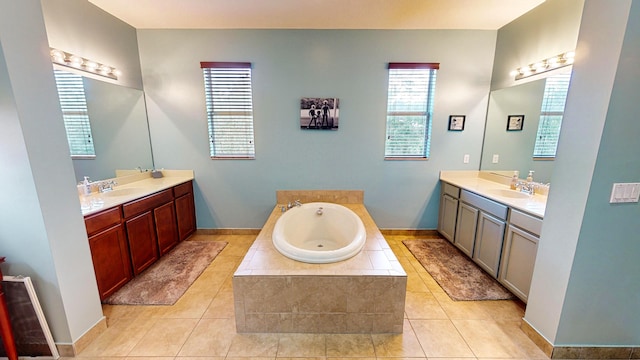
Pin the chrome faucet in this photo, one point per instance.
(295, 203)
(106, 186)
(528, 187)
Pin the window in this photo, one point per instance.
(75, 115)
(410, 110)
(229, 109)
(553, 100)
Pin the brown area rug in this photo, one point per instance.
(458, 275)
(164, 282)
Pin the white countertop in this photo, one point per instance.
(496, 188)
(132, 187)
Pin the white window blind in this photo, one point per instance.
(229, 109)
(551, 113)
(75, 114)
(410, 110)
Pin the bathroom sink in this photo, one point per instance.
(123, 192)
(509, 193)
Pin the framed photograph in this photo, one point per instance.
(319, 113)
(515, 122)
(456, 122)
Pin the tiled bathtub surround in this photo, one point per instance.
(364, 294)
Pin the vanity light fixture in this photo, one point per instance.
(78, 62)
(552, 63)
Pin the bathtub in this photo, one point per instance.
(319, 233)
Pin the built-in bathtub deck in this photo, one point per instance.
(364, 294)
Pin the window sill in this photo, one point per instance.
(406, 158)
(232, 158)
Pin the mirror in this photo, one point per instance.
(118, 118)
(513, 150)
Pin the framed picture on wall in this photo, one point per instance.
(319, 113)
(515, 122)
(456, 122)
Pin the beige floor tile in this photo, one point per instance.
(512, 328)
(422, 305)
(461, 309)
(165, 338)
(221, 306)
(415, 283)
(349, 345)
(398, 345)
(134, 331)
(439, 338)
(302, 345)
(210, 337)
(254, 345)
(504, 309)
(487, 340)
(191, 305)
(119, 338)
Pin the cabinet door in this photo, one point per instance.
(166, 227)
(447, 218)
(466, 228)
(110, 256)
(142, 241)
(489, 239)
(518, 259)
(186, 215)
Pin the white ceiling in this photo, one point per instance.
(317, 14)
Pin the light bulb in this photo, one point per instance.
(75, 61)
(57, 56)
(92, 65)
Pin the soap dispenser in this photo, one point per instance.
(514, 180)
(530, 176)
(86, 186)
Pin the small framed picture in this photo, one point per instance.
(515, 122)
(456, 122)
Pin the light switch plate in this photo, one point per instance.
(625, 193)
(466, 158)
(495, 158)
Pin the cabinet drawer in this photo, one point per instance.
(484, 204)
(182, 189)
(526, 222)
(450, 190)
(102, 220)
(147, 203)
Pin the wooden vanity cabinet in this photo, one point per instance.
(127, 239)
(185, 209)
(109, 250)
(142, 229)
(142, 241)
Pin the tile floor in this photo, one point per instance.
(200, 326)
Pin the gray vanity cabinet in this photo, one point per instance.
(480, 230)
(519, 253)
(488, 246)
(466, 225)
(448, 211)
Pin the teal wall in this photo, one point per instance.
(584, 290)
(42, 231)
(288, 65)
(603, 295)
